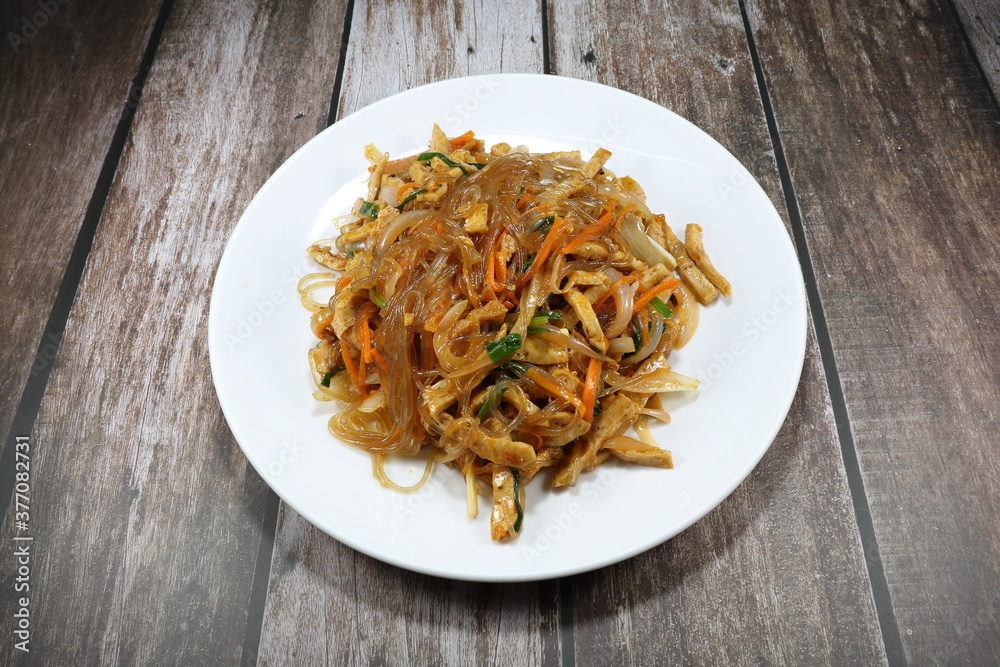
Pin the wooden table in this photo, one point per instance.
(135, 133)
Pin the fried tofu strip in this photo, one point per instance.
(379, 160)
(636, 451)
(596, 163)
(585, 311)
(503, 450)
(704, 291)
(696, 251)
(504, 515)
(619, 413)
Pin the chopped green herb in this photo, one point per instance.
(521, 191)
(517, 500)
(514, 369)
(350, 254)
(427, 157)
(664, 309)
(374, 297)
(544, 317)
(326, 378)
(478, 165)
(503, 348)
(527, 263)
(542, 224)
(597, 410)
(369, 209)
(492, 399)
(410, 197)
(337, 369)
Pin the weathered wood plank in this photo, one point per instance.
(146, 516)
(776, 574)
(894, 150)
(51, 150)
(981, 19)
(335, 605)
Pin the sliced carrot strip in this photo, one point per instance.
(641, 302)
(590, 389)
(461, 139)
(630, 278)
(352, 369)
(550, 241)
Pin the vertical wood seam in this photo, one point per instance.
(30, 402)
(546, 46)
(257, 604)
(341, 64)
(891, 639)
(973, 54)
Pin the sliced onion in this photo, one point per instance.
(643, 247)
(663, 379)
(374, 401)
(388, 195)
(662, 415)
(656, 329)
(554, 335)
(623, 196)
(400, 224)
(622, 344)
(624, 296)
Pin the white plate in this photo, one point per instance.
(748, 350)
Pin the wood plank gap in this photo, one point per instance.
(566, 621)
(546, 47)
(23, 423)
(973, 54)
(265, 551)
(891, 639)
(261, 576)
(339, 80)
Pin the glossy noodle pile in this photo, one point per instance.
(511, 311)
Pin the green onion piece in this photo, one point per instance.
(503, 348)
(337, 369)
(478, 165)
(527, 263)
(544, 317)
(491, 399)
(374, 297)
(536, 330)
(326, 379)
(350, 254)
(542, 224)
(427, 157)
(597, 410)
(369, 209)
(664, 309)
(514, 369)
(410, 197)
(517, 500)
(521, 191)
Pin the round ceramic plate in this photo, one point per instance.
(748, 350)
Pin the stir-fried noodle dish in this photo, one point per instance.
(508, 311)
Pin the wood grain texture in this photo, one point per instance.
(776, 574)
(893, 144)
(981, 19)
(51, 151)
(327, 603)
(146, 516)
